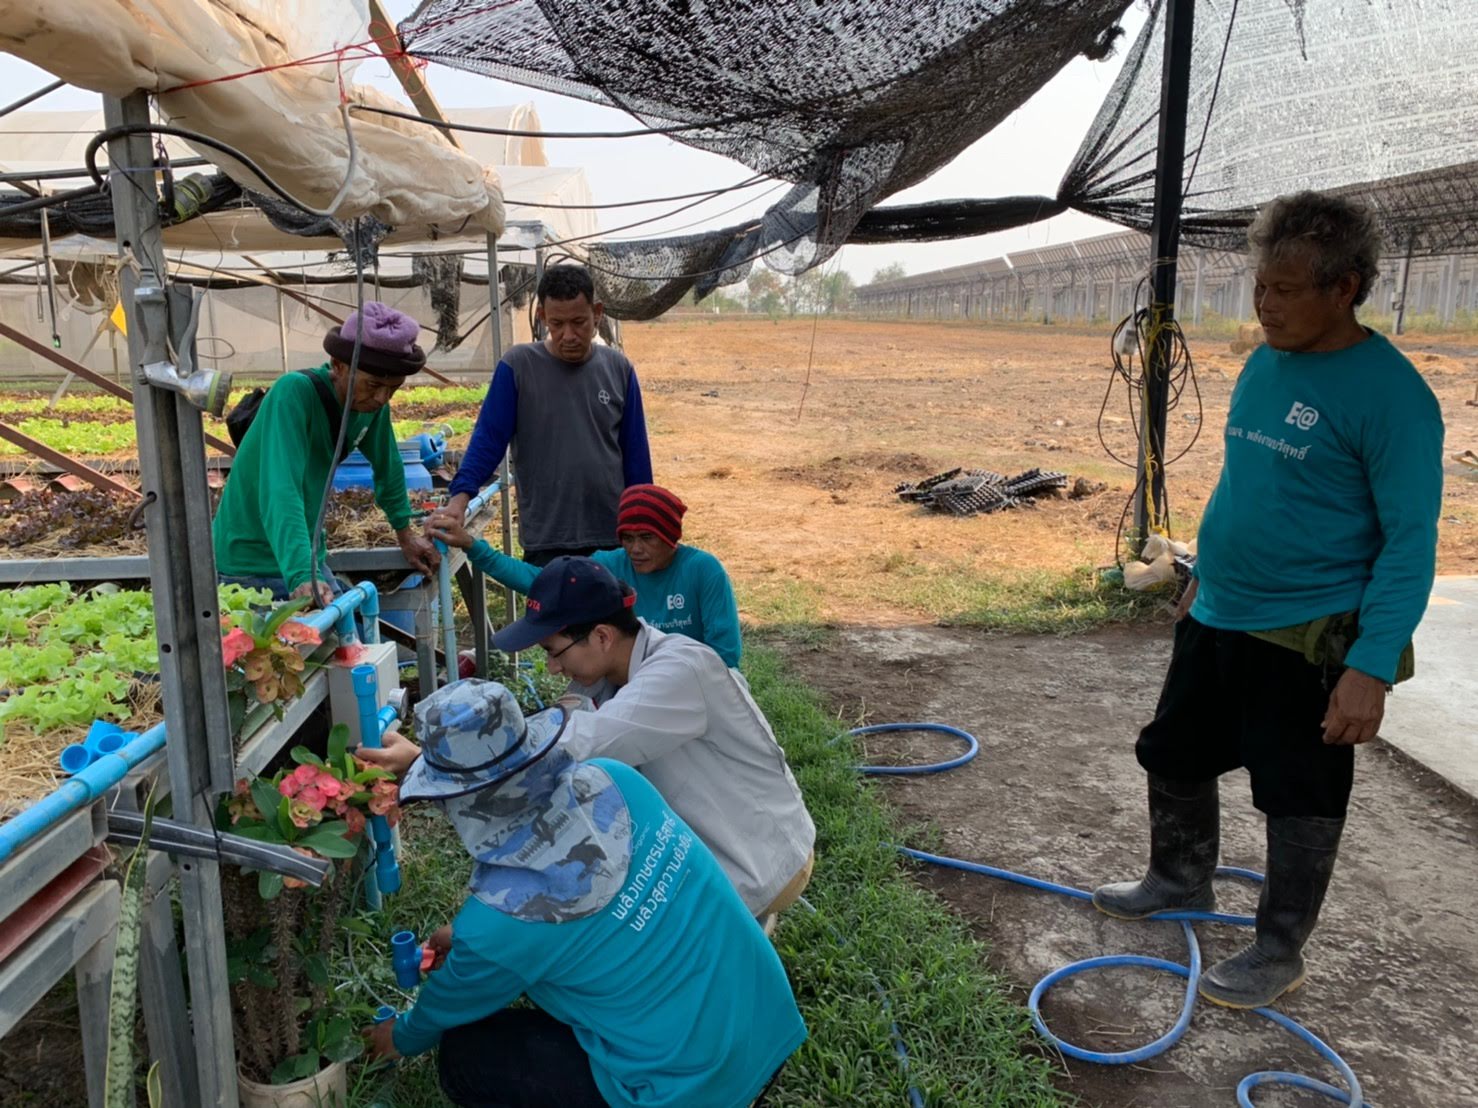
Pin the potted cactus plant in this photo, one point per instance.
(292, 1042)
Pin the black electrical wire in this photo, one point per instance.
(749, 182)
(1180, 374)
(319, 539)
(89, 156)
(50, 200)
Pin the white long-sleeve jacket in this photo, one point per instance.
(690, 725)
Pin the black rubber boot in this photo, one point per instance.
(1301, 854)
(1185, 836)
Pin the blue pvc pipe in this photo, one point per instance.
(82, 788)
(106, 771)
(348, 602)
(366, 689)
(448, 620)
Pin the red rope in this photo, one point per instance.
(368, 49)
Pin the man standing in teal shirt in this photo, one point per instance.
(679, 589)
(1315, 561)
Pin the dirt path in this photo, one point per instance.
(1056, 793)
(788, 473)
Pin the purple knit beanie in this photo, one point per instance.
(387, 346)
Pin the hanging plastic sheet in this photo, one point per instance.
(287, 119)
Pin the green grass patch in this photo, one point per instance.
(1028, 603)
(779, 602)
(969, 1043)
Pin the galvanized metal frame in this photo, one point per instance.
(183, 578)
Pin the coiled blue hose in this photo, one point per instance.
(1354, 1097)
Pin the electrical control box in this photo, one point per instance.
(343, 704)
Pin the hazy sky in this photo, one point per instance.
(1026, 155)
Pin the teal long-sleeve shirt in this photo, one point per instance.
(264, 525)
(671, 989)
(692, 596)
(1328, 499)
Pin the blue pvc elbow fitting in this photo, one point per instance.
(405, 959)
(369, 608)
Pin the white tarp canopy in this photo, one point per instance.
(42, 141)
(406, 174)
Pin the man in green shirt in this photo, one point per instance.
(263, 529)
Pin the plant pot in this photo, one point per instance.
(328, 1088)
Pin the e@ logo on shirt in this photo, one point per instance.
(603, 396)
(676, 600)
(1301, 416)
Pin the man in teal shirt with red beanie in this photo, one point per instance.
(1315, 561)
(679, 589)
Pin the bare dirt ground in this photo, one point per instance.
(1056, 793)
(789, 482)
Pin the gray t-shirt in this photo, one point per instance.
(566, 445)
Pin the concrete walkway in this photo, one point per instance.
(1433, 718)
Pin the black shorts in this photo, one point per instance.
(1232, 701)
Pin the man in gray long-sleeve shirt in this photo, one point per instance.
(571, 411)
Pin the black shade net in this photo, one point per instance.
(854, 100)
(1376, 99)
(850, 100)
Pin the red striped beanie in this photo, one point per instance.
(651, 508)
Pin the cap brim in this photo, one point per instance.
(425, 782)
(524, 633)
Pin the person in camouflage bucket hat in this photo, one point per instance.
(648, 979)
(551, 837)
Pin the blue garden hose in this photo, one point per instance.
(1191, 973)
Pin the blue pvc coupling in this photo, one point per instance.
(384, 1013)
(387, 869)
(405, 959)
(365, 679)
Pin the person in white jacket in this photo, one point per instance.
(668, 706)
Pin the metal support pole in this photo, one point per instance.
(182, 575)
(282, 328)
(539, 329)
(1405, 285)
(1196, 296)
(505, 493)
(1175, 80)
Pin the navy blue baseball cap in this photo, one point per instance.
(567, 591)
